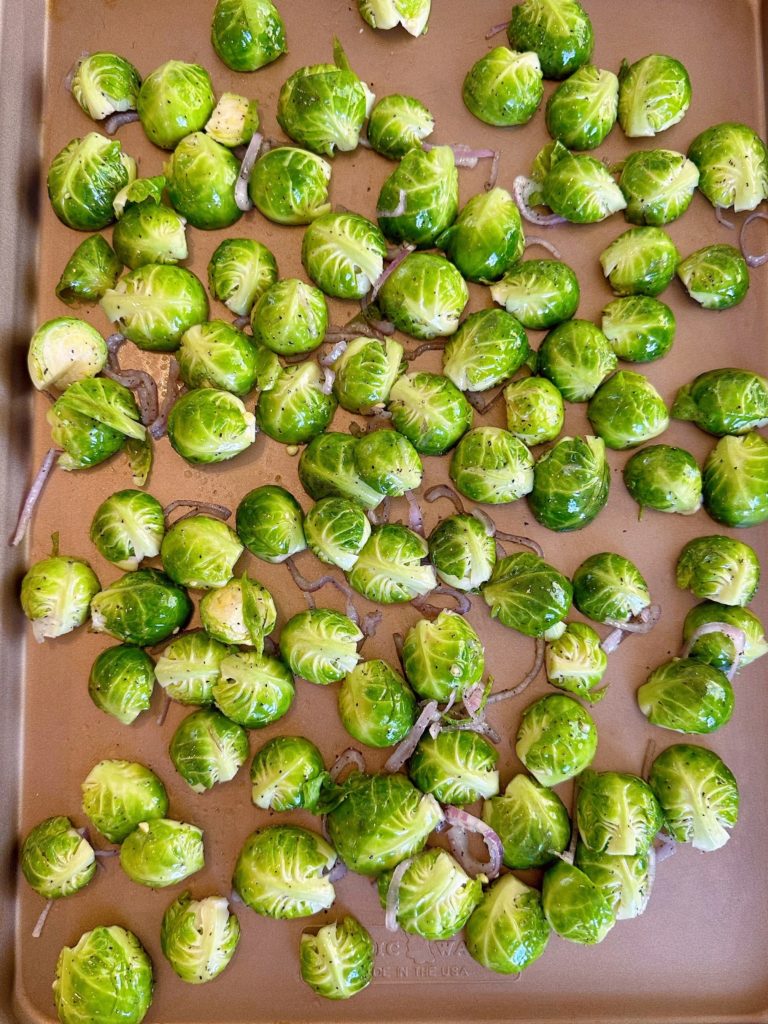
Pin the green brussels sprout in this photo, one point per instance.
(282, 872)
(84, 179)
(527, 594)
(430, 411)
(380, 820)
(217, 355)
(455, 767)
(733, 166)
(104, 84)
(664, 478)
(658, 185)
(142, 608)
(91, 269)
(581, 189)
(207, 749)
(376, 705)
(654, 94)
(735, 480)
(617, 813)
(444, 658)
(365, 372)
(239, 272)
(487, 349)
(575, 661)
(56, 594)
(609, 588)
(388, 462)
(199, 937)
(710, 612)
(328, 466)
(155, 304)
(719, 569)
(557, 739)
(290, 186)
(56, 859)
(559, 31)
(486, 240)
(128, 527)
(63, 351)
(463, 552)
(121, 682)
(149, 233)
(206, 425)
(253, 689)
(577, 358)
(531, 822)
(389, 567)
(336, 530)
(91, 421)
(534, 409)
(337, 961)
(504, 87)
(575, 907)
(570, 484)
(424, 296)
(639, 328)
(290, 317)
(726, 401)
(343, 253)
(717, 276)
(162, 852)
(540, 293)
(270, 522)
(624, 881)
(320, 645)
(698, 793)
(138, 191)
(641, 261)
(241, 612)
(234, 121)
(200, 552)
(420, 199)
(286, 774)
(189, 666)
(490, 465)
(435, 897)
(413, 15)
(106, 977)
(582, 110)
(627, 410)
(399, 123)
(247, 34)
(117, 795)
(201, 182)
(296, 408)
(687, 695)
(508, 930)
(175, 100)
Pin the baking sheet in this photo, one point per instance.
(698, 954)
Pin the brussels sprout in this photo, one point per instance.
(270, 523)
(138, 191)
(337, 961)
(282, 872)
(320, 645)
(56, 859)
(189, 666)
(376, 705)
(388, 463)
(575, 907)
(658, 185)
(420, 199)
(397, 124)
(155, 304)
(487, 349)
(241, 612)
(577, 358)
(91, 269)
(624, 881)
(664, 478)
(733, 166)
(639, 328)
(63, 351)
(162, 852)
(462, 552)
(247, 34)
(85, 177)
(175, 100)
(490, 465)
(253, 689)
(365, 372)
(687, 695)
(104, 84)
(290, 317)
(504, 87)
(56, 593)
(717, 276)
(557, 739)
(207, 425)
(380, 820)
(430, 411)
(117, 795)
(234, 120)
(735, 480)
(455, 767)
(424, 296)
(527, 594)
(487, 239)
(508, 930)
(207, 749)
(413, 15)
(535, 410)
(581, 189)
(575, 661)
(540, 293)
(121, 682)
(654, 94)
(106, 977)
(149, 233)
(343, 253)
(91, 421)
(444, 658)
(389, 567)
(582, 110)
(217, 355)
(199, 937)
(559, 31)
(286, 774)
(743, 619)
(201, 182)
(142, 608)
(617, 813)
(719, 568)
(641, 261)
(698, 794)
(239, 272)
(609, 588)
(337, 530)
(570, 483)
(436, 896)
(200, 552)
(531, 822)
(295, 409)
(328, 466)
(128, 527)
(290, 186)
(726, 401)
(627, 410)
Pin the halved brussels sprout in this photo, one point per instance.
(389, 568)
(455, 767)
(711, 612)
(56, 594)
(420, 199)
(436, 895)
(155, 304)
(365, 372)
(664, 478)
(104, 84)
(56, 859)
(570, 483)
(443, 658)
(149, 233)
(138, 191)
(128, 527)
(290, 186)
(162, 852)
(424, 296)
(142, 608)
(463, 552)
(687, 695)
(490, 465)
(531, 822)
(91, 421)
(84, 179)
(200, 552)
(388, 463)
(609, 588)
(175, 100)
(241, 612)
(726, 401)
(582, 110)
(575, 907)
(65, 350)
(735, 480)
(527, 594)
(336, 530)
(286, 774)
(207, 425)
(189, 666)
(376, 705)
(733, 166)
(199, 937)
(540, 293)
(658, 185)
(504, 87)
(290, 317)
(327, 466)
(535, 410)
(216, 355)
(557, 739)
(270, 522)
(508, 930)
(247, 34)
(320, 645)
(625, 882)
(558, 30)
(627, 410)
(487, 349)
(399, 123)
(234, 120)
(617, 813)
(413, 15)
(337, 961)
(282, 872)
(201, 182)
(575, 661)
(207, 749)
(239, 272)
(641, 261)
(121, 682)
(91, 269)
(581, 189)
(720, 569)
(577, 358)
(343, 253)
(430, 411)
(253, 689)
(654, 94)
(295, 409)
(639, 328)
(717, 276)
(117, 795)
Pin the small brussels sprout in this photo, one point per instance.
(397, 124)
(540, 293)
(91, 421)
(389, 568)
(463, 552)
(420, 199)
(504, 87)
(430, 411)
(149, 233)
(531, 822)
(107, 977)
(142, 608)
(719, 568)
(424, 296)
(162, 852)
(658, 185)
(365, 372)
(217, 355)
(413, 15)
(443, 658)
(199, 937)
(207, 749)
(239, 272)
(664, 478)
(328, 466)
(455, 767)
(581, 189)
(487, 349)
(527, 594)
(508, 930)
(535, 410)
(56, 594)
(625, 882)
(726, 401)
(56, 859)
(337, 961)
(490, 465)
(639, 328)
(282, 872)
(343, 253)
(84, 179)
(189, 666)
(687, 695)
(570, 483)
(436, 896)
(175, 100)
(286, 774)
(91, 269)
(575, 907)
(559, 31)
(733, 166)
(295, 409)
(582, 110)
(376, 705)
(320, 645)
(627, 410)
(617, 813)
(270, 522)
(241, 612)
(104, 84)
(117, 795)
(717, 276)
(290, 186)
(557, 739)
(155, 304)
(290, 317)
(388, 462)
(577, 358)
(654, 94)
(698, 793)
(609, 588)
(336, 530)
(247, 34)
(253, 689)
(138, 191)
(234, 120)
(200, 552)
(201, 182)
(743, 619)
(735, 480)
(641, 261)
(121, 682)
(486, 240)
(575, 661)
(206, 425)
(63, 351)
(128, 527)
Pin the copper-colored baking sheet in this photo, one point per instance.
(698, 954)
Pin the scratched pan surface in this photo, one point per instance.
(698, 954)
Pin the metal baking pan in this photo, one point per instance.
(698, 954)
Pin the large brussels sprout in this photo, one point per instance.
(535, 410)
(609, 588)
(296, 408)
(735, 480)
(487, 349)
(128, 527)
(617, 813)
(155, 304)
(504, 87)
(575, 907)
(639, 328)
(710, 612)
(444, 658)
(55, 859)
(365, 373)
(199, 937)
(664, 478)
(581, 189)
(687, 695)
(207, 425)
(336, 530)
(436, 895)
(253, 689)
(540, 293)
(200, 552)
(490, 465)
(413, 15)
(247, 34)
(575, 661)
(201, 182)
(320, 645)
(625, 881)
(720, 569)
(142, 608)
(577, 358)
(189, 666)
(376, 705)
(462, 551)
(162, 852)
(149, 233)
(106, 977)
(56, 594)
(559, 31)
(641, 261)
(733, 166)
(343, 253)
(286, 774)
(239, 272)
(727, 401)
(234, 120)
(399, 123)
(92, 420)
(216, 355)
(282, 872)
(698, 794)
(207, 749)
(424, 296)
(658, 185)
(508, 930)
(627, 410)
(290, 186)
(570, 483)
(121, 682)
(241, 612)
(270, 522)
(557, 739)
(290, 317)
(531, 821)
(455, 767)
(582, 110)
(654, 94)
(84, 179)
(104, 84)
(328, 466)
(389, 568)
(91, 269)
(430, 411)
(388, 462)
(717, 276)
(420, 199)
(65, 350)
(527, 594)
(337, 961)
(117, 795)
(175, 100)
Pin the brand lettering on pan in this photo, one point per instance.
(407, 958)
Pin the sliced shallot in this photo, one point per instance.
(415, 515)
(371, 623)
(164, 708)
(524, 542)
(641, 623)
(114, 343)
(68, 78)
(483, 404)
(379, 516)
(37, 931)
(485, 521)
(240, 322)
(400, 253)
(722, 219)
(431, 611)
(465, 822)
(752, 260)
(393, 894)
(522, 188)
(493, 177)
(338, 349)
(494, 30)
(242, 199)
(196, 507)
(464, 156)
(613, 640)
(428, 346)
(473, 698)
(33, 497)
(337, 872)
(328, 378)
(397, 639)
(737, 636)
(444, 491)
(160, 425)
(404, 749)
(144, 388)
(479, 725)
(118, 119)
(537, 240)
(534, 670)
(666, 847)
(348, 757)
